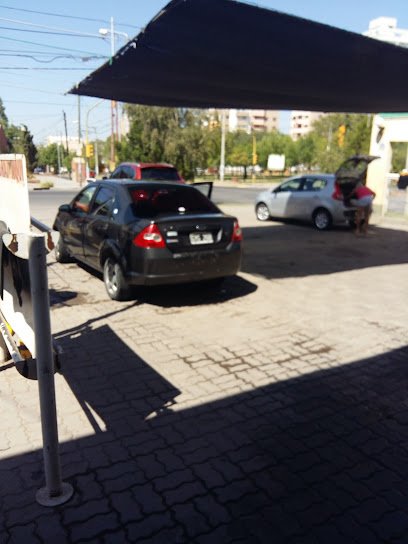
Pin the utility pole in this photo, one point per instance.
(222, 161)
(113, 103)
(66, 132)
(254, 155)
(59, 158)
(79, 122)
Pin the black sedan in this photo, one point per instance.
(147, 233)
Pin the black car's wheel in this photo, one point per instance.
(115, 283)
(262, 212)
(61, 252)
(322, 219)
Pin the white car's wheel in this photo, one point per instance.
(262, 212)
(322, 219)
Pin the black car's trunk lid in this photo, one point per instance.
(199, 232)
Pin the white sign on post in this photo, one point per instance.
(276, 162)
(15, 291)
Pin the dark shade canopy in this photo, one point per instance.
(228, 54)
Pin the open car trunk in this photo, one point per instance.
(352, 171)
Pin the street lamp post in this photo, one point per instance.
(114, 106)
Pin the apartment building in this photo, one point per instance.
(247, 120)
(301, 122)
(71, 141)
(386, 30)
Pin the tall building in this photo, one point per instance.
(385, 29)
(247, 120)
(301, 122)
(73, 143)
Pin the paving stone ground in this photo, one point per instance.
(273, 410)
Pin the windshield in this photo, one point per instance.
(151, 202)
(154, 173)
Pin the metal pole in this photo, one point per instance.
(79, 120)
(4, 352)
(66, 132)
(55, 491)
(112, 33)
(222, 162)
(96, 156)
(59, 159)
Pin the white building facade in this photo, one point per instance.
(301, 122)
(247, 120)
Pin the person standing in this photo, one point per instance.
(362, 198)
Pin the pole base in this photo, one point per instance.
(43, 496)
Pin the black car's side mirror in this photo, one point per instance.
(65, 208)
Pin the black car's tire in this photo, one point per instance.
(61, 252)
(115, 283)
(262, 212)
(322, 219)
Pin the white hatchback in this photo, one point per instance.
(306, 197)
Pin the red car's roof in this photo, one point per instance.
(149, 164)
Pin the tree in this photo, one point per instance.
(328, 153)
(21, 141)
(48, 156)
(306, 150)
(174, 135)
(272, 143)
(3, 116)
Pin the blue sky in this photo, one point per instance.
(38, 66)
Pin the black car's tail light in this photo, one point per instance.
(236, 233)
(149, 237)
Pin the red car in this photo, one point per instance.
(143, 171)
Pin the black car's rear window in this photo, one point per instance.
(151, 202)
(151, 173)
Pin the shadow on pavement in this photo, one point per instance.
(315, 459)
(166, 296)
(194, 294)
(282, 251)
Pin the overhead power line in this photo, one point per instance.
(64, 33)
(39, 68)
(28, 23)
(30, 89)
(55, 57)
(36, 102)
(46, 45)
(66, 16)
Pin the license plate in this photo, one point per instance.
(197, 238)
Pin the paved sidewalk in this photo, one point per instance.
(274, 410)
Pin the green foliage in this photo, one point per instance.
(238, 148)
(21, 141)
(328, 154)
(169, 135)
(399, 156)
(271, 143)
(3, 116)
(190, 140)
(48, 157)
